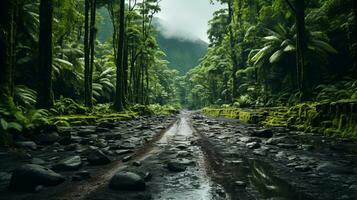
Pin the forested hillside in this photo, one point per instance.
(183, 54)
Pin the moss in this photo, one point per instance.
(76, 120)
(335, 119)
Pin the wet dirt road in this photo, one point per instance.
(201, 158)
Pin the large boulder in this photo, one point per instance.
(97, 157)
(48, 138)
(264, 133)
(69, 164)
(176, 166)
(127, 181)
(27, 145)
(27, 177)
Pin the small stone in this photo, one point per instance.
(123, 152)
(264, 133)
(27, 145)
(287, 146)
(137, 164)
(175, 166)
(260, 152)
(127, 181)
(37, 161)
(253, 145)
(302, 168)
(353, 187)
(82, 175)
(97, 157)
(69, 164)
(127, 158)
(148, 176)
(240, 183)
(48, 138)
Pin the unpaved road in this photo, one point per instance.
(194, 157)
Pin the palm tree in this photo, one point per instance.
(280, 43)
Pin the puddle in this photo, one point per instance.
(262, 180)
(193, 183)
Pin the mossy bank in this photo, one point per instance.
(336, 119)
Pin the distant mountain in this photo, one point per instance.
(183, 54)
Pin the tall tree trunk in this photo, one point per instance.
(301, 45)
(125, 69)
(87, 99)
(354, 32)
(119, 96)
(92, 51)
(45, 93)
(233, 51)
(6, 47)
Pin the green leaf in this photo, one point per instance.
(4, 124)
(276, 56)
(15, 126)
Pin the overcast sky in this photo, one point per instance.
(187, 18)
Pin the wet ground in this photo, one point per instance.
(190, 156)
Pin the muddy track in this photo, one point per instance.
(85, 189)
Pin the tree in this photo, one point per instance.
(87, 91)
(119, 95)
(6, 47)
(45, 93)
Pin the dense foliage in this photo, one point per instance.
(252, 59)
(52, 59)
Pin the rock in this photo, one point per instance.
(66, 138)
(249, 139)
(127, 181)
(49, 138)
(101, 130)
(137, 163)
(27, 177)
(306, 147)
(287, 146)
(112, 136)
(253, 145)
(82, 175)
(101, 143)
(37, 161)
(123, 152)
(107, 125)
(127, 146)
(183, 154)
(275, 140)
(86, 132)
(260, 152)
(303, 168)
(176, 166)
(47, 128)
(27, 145)
(72, 147)
(127, 158)
(240, 183)
(329, 167)
(97, 157)
(264, 133)
(147, 176)
(69, 164)
(353, 187)
(181, 146)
